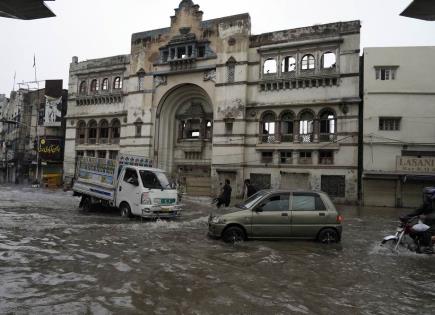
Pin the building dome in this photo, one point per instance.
(186, 4)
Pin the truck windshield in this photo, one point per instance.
(154, 180)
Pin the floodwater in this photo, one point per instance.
(55, 259)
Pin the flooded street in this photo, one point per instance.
(55, 259)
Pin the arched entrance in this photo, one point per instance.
(184, 132)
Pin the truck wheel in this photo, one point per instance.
(125, 210)
(86, 203)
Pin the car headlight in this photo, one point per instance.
(218, 220)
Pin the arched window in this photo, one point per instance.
(104, 132)
(105, 85)
(138, 128)
(306, 127)
(81, 132)
(287, 120)
(208, 129)
(95, 85)
(308, 62)
(231, 70)
(288, 64)
(82, 89)
(328, 126)
(328, 60)
(269, 66)
(115, 131)
(117, 83)
(92, 132)
(268, 128)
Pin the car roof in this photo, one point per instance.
(143, 168)
(293, 191)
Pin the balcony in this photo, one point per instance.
(328, 137)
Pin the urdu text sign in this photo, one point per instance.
(414, 164)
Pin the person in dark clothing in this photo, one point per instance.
(250, 189)
(225, 197)
(427, 210)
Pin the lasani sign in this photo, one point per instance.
(414, 164)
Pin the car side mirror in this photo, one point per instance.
(134, 182)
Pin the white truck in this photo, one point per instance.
(128, 183)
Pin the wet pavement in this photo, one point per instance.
(55, 259)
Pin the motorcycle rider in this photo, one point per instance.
(427, 211)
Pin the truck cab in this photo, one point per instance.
(145, 192)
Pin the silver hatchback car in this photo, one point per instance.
(279, 214)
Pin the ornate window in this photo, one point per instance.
(81, 133)
(288, 64)
(92, 132)
(268, 128)
(231, 69)
(308, 62)
(95, 85)
(105, 85)
(117, 83)
(269, 66)
(306, 127)
(115, 129)
(82, 89)
(287, 123)
(328, 60)
(104, 132)
(138, 128)
(328, 126)
(194, 123)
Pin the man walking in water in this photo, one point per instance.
(225, 197)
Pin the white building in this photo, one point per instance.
(208, 101)
(399, 125)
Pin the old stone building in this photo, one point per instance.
(208, 101)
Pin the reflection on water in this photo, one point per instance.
(55, 259)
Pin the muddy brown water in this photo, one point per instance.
(55, 259)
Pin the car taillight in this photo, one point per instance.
(339, 218)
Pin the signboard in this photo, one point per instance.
(97, 170)
(50, 149)
(414, 164)
(53, 111)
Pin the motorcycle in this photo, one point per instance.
(414, 237)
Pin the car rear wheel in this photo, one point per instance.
(327, 236)
(233, 234)
(125, 210)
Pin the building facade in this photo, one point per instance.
(209, 101)
(32, 135)
(399, 128)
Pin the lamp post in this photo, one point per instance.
(14, 122)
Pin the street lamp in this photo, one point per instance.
(14, 122)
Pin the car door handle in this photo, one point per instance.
(120, 188)
(284, 214)
(322, 214)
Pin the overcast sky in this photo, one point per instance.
(100, 28)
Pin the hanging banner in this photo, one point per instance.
(50, 149)
(53, 111)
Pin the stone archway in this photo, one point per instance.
(183, 141)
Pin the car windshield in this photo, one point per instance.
(154, 180)
(248, 203)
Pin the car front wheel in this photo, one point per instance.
(233, 234)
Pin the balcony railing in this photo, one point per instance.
(306, 138)
(304, 160)
(287, 137)
(270, 138)
(327, 137)
(326, 160)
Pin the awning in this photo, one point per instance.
(421, 9)
(25, 9)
